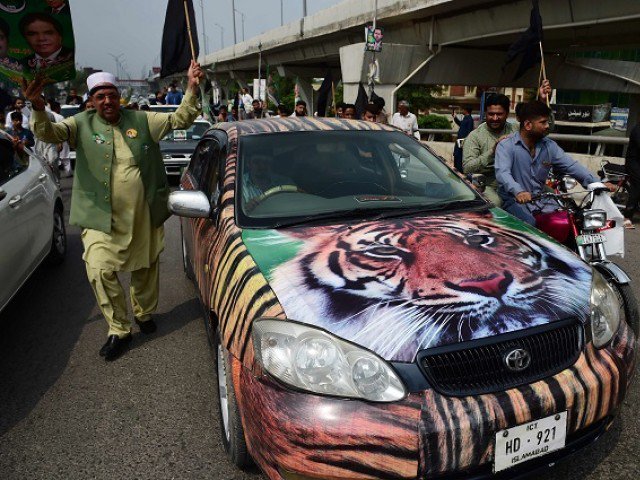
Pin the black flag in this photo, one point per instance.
(176, 49)
(528, 44)
(361, 101)
(323, 94)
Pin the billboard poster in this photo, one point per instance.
(373, 38)
(582, 113)
(36, 37)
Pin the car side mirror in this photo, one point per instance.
(192, 204)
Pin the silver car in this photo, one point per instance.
(31, 218)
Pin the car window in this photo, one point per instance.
(211, 186)
(195, 132)
(11, 163)
(199, 160)
(302, 174)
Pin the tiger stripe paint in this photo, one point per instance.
(424, 435)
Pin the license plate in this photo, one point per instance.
(530, 440)
(590, 239)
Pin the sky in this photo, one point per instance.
(131, 30)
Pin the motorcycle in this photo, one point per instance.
(582, 228)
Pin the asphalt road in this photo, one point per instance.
(66, 414)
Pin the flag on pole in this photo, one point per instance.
(528, 45)
(361, 101)
(323, 94)
(176, 43)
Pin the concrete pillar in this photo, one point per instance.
(305, 91)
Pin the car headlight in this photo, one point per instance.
(593, 219)
(605, 311)
(316, 361)
(166, 156)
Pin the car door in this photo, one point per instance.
(16, 244)
(39, 201)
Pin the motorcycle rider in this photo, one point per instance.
(523, 162)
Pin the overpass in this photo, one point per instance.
(455, 42)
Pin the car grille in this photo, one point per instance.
(477, 367)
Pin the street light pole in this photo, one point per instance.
(204, 35)
(233, 13)
(304, 8)
(281, 13)
(221, 34)
(116, 58)
(242, 15)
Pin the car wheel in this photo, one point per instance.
(230, 424)
(186, 265)
(58, 249)
(625, 294)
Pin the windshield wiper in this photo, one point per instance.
(438, 207)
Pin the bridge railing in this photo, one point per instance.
(600, 141)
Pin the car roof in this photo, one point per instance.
(298, 124)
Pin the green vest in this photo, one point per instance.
(91, 195)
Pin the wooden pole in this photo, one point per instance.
(186, 14)
(333, 99)
(543, 70)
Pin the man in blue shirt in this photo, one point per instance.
(523, 161)
(174, 97)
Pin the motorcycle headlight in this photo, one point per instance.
(316, 361)
(605, 311)
(593, 219)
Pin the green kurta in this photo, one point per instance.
(133, 242)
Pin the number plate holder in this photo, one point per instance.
(590, 239)
(519, 444)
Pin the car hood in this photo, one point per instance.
(398, 286)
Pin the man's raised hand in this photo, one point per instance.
(195, 74)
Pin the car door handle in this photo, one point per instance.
(42, 177)
(15, 201)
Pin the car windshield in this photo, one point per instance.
(69, 110)
(302, 177)
(195, 132)
(164, 108)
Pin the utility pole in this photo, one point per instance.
(242, 16)
(204, 35)
(304, 8)
(281, 13)
(116, 58)
(233, 13)
(221, 35)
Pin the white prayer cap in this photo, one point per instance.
(101, 79)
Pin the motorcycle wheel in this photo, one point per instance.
(626, 295)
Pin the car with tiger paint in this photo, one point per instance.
(373, 316)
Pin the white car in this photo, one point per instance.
(31, 218)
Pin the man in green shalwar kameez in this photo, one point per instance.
(119, 195)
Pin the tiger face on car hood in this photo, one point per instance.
(398, 286)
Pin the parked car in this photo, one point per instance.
(178, 145)
(372, 316)
(31, 218)
(69, 110)
(163, 108)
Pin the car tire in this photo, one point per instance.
(231, 428)
(186, 264)
(58, 250)
(625, 293)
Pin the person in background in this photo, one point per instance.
(223, 114)
(22, 137)
(405, 120)
(370, 113)
(73, 98)
(63, 148)
(339, 109)
(160, 98)
(465, 127)
(381, 117)
(257, 110)
(247, 102)
(349, 111)
(174, 97)
(632, 166)
(282, 111)
(300, 110)
(19, 106)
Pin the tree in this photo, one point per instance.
(419, 96)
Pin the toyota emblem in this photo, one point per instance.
(517, 359)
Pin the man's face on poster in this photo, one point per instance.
(377, 34)
(43, 38)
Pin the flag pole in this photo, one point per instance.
(543, 70)
(333, 99)
(186, 14)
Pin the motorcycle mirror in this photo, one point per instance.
(569, 183)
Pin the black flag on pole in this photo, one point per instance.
(323, 94)
(176, 50)
(528, 45)
(361, 101)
